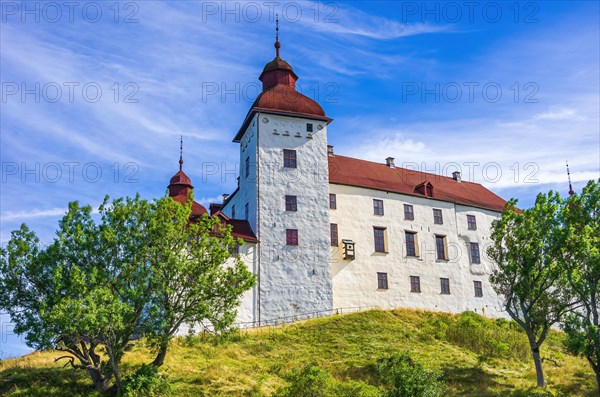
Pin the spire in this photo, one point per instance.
(571, 191)
(181, 153)
(277, 44)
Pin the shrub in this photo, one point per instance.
(312, 381)
(402, 377)
(145, 382)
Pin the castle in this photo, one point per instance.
(325, 231)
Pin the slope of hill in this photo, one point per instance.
(477, 356)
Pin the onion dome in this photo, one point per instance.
(181, 184)
(279, 93)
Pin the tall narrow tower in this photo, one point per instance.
(284, 185)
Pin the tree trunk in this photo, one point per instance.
(541, 382)
(100, 381)
(162, 353)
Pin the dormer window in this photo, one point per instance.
(425, 188)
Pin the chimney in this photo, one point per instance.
(330, 150)
(225, 195)
(456, 176)
(390, 162)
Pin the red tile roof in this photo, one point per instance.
(197, 208)
(240, 228)
(361, 173)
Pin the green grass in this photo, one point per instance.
(478, 357)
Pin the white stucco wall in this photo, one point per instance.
(247, 188)
(355, 281)
(294, 279)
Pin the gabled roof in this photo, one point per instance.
(367, 174)
(240, 228)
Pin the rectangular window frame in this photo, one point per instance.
(438, 218)
(380, 241)
(444, 286)
(333, 234)
(474, 253)
(441, 247)
(246, 211)
(415, 284)
(410, 243)
(332, 201)
(309, 127)
(291, 203)
(471, 222)
(233, 211)
(382, 280)
(409, 212)
(378, 207)
(478, 287)
(291, 237)
(290, 158)
(247, 167)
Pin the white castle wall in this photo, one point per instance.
(355, 282)
(247, 187)
(294, 279)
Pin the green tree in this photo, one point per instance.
(86, 291)
(581, 217)
(527, 247)
(192, 283)
(142, 269)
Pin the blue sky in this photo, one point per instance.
(505, 91)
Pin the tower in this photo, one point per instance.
(283, 190)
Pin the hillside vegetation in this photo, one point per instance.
(476, 356)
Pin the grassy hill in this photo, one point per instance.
(477, 356)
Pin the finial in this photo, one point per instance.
(277, 44)
(180, 152)
(571, 191)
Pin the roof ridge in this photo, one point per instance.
(408, 169)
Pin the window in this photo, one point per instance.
(247, 167)
(411, 249)
(246, 211)
(471, 222)
(382, 281)
(437, 217)
(409, 215)
(291, 203)
(415, 284)
(377, 207)
(475, 253)
(332, 201)
(233, 212)
(309, 127)
(379, 234)
(289, 158)
(291, 236)
(334, 234)
(478, 289)
(445, 284)
(440, 247)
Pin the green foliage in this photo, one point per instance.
(527, 247)
(311, 381)
(145, 382)
(402, 377)
(581, 217)
(488, 338)
(144, 268)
